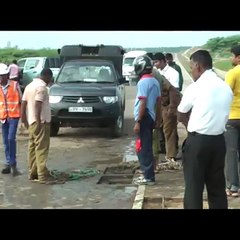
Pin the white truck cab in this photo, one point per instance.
(128, 69)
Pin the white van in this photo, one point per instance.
(31, 67)
(128, 69)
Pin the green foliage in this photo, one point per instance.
(220, 46)
(160, 49)
(185, 62)
(9, 54)
(224, 65)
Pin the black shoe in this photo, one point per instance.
(33, 178)
(6, 170)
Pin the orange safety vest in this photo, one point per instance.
(10, 103)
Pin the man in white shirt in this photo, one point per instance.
(204, 110)
(168, 72)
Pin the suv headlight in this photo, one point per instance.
(55, 99)
(109, 100)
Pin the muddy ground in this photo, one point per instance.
(73, 149)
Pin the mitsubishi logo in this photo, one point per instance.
(80, 100)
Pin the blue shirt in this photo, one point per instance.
(147, 88)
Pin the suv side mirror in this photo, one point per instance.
(122, 80)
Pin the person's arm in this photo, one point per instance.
(142, 108)
(230, 79)
(158, 112)
(19, 91)
(142, 96)
(24, 113)
(184, 118)
(185, 106)
(40, 97)
(180, 78)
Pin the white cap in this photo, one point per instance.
(3, 69)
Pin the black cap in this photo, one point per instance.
(159, 56)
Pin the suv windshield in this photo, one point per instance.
(87, 72)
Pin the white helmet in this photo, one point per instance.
(3, 69)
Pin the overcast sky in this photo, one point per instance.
(127, 39)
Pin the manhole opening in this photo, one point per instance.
(116, 179)
(120, 169)
(166, 203)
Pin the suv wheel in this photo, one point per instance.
(117, 127)
(54, 129)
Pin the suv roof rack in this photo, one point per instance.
(98, 50)
(113, 53)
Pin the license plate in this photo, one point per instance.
(80, 109)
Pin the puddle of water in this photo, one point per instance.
(130, 190)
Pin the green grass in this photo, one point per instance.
(224, 65)
(185, 63)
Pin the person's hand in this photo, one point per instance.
(38, 128)
(25, 124)
(171, 112)
(136, 128)
(157, 124)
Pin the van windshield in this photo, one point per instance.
(86, 73)
(128, 61)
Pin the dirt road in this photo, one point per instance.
(73, 149)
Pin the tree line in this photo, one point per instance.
(7, 55)
(221, 46)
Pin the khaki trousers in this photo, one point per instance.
(170, 132)
(38, 148)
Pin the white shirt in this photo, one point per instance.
(13, 71)
(171, 75)
(210, 99)
(37, 91)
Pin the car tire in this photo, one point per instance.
(117, 127)
(54, 129)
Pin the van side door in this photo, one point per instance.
(32, 69)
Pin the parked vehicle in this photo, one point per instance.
(31, 67)
(128, 69)
(89, 90)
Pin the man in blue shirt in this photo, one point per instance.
(147, 115)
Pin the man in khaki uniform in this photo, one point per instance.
(36, 116)
(170, 100)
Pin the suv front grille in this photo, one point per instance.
(85, 99)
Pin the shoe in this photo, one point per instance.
(170, 159)
(232, 193)
(143, 181)
(51, 180)
(33, 178)
(6, 170)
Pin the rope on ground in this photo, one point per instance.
(75, 174)
(170, 165)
